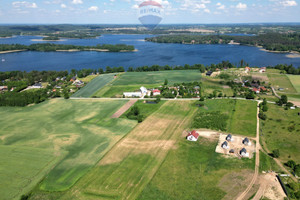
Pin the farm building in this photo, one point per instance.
(132, 94)
(225, 145)
(193, 136)
(37, 86)
(246, 141)
(3, 88)
(247, 69)
(156, 92)
(262, 69)
(143, 90)
(257, 91)
(231, 151)
(209, 73)
(229, 137)
(244, 153)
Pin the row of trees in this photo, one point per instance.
(55, 47)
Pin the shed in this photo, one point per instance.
(246, 141)
(143, 90)
(209, 73)
(225, 145)
(231, 151)
(193, 136)
(243, 152)
(229, 137)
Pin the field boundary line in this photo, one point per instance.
(124, 108)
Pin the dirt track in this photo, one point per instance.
(124, 108)
(242, 196)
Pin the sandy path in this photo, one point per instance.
(124, 108)
(243, 195)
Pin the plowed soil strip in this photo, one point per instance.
(124, 108)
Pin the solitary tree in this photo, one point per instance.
(284, 99)
(276, 153)
(166, 82)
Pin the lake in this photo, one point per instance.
(148, 54)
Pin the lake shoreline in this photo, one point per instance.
(12, 51)
(71, 50)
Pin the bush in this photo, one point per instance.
(201, 98)
(262, 116)
(291, 164)
(276, 153)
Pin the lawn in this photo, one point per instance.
(130, 165)
(22, 168)
(81, 130)
(282, 81)
(295, 79)
(281, 131)
(143, 78)
(194, 171)
(94, 85)
(240, 114)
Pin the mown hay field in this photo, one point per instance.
(282, 81)
(295, 79)
(79, 130)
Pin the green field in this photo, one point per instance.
(81, 130)
(241, 115)
(295, 79)
(143, 78)
(195, 171)
(22, 168)
(281, 131)
(282, 81)
(130, 165)
(211, 84)
(94, 85)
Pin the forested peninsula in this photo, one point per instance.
(270, 41)
(46, 47)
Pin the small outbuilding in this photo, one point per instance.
(225, 145)
(243, 152)
(231, 151)
(193, 136)
(229, 138)
(246, 141)
(209, 73)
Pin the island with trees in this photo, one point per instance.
(47, 47)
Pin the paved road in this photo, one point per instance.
(256, 172)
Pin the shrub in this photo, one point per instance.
(276, 153)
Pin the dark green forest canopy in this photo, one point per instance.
(270, 41)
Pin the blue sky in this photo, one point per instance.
(125, 11)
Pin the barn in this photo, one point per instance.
(193, 136)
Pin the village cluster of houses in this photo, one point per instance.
(142, 92)
(243, 152)
(255, 86)
(260, 70)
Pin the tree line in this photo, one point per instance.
(55, 47)
(269, 41)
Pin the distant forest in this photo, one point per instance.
(56, 47)
(270, 41)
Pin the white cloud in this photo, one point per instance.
(77, 2)
(220, 6)
(18, 4)
(93, 8)
(63, 5)
(241, 6)
(288, 3)
(207, 10)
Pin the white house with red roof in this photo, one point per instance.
(193, 136)
(156, 92)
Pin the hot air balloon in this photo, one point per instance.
(150, 14)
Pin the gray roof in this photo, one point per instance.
(225, 143)
(243, 150)
(246, 140)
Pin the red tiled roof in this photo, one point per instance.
(255, 90)
(156, 91)
(263, 88)
(194, 133)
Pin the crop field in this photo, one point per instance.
(240, 116)
(79, 130)
(282, 81)
(295, 79)
(95, 85)
(143, 78)
(129, 166)
(286, 135)
(200, 173)
(22, 168)
(210, 85)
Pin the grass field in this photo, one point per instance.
(295, 79)
(22, 168)
(94, 85)
(143, 78)
(282, 131)
(80, 129)
(210, 85)
(130, 165)
(195, 171)
(241, 113)
(282, 81)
